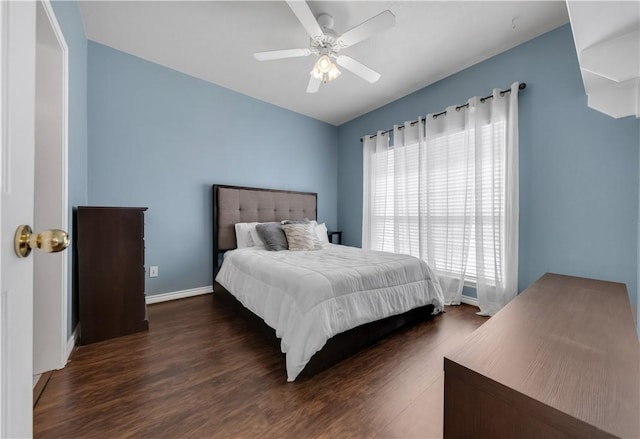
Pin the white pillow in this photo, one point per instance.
(321, 231)
(257, 242)
(243, 234)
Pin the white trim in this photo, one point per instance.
(4, 361)
(470, 301)
(71, 343)
(64, 166)
(164, 297)
(4, 178)
(183, 294)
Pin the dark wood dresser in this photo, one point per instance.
(560, 360)
(110, 272)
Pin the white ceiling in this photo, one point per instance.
(215, 41)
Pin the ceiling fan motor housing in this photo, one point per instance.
(326, 22)
(326, 44)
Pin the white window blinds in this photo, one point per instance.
(444, 193)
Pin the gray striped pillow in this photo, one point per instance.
(302, 237)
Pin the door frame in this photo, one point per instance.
(59, 354)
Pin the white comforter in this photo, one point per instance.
(310, 296)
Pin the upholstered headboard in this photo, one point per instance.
(235, 204)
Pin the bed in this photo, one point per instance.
(320, 306)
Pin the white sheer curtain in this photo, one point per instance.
(447, 192)
(375, 159)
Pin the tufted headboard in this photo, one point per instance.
(236, 204)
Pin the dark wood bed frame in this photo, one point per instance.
(338, 347)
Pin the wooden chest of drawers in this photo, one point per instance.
(109, 246)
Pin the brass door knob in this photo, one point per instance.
(50, 241)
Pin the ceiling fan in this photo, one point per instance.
(326, 45)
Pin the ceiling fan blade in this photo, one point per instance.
(304, 14)
(380, 22)
(358, 68)
(314, 85)
(279, 54)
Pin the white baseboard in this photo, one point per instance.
(174, 295)
(164, 297)
(156, 298)
(183, 294)
(71, 343)
(470, 300)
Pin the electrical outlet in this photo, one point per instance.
(153, 271)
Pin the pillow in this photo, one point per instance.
(302, 237)
(272, 235)
(257, 241)
(323, 235)
(243, 234)
(321, 229)
(302, 221)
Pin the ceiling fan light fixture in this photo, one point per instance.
(333, 72)
(324, 64)
(326, 44)
(325, 70)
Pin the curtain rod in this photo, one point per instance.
(521, 86)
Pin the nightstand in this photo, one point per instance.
(331, 234)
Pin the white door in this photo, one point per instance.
(17, 101)
(50, 192)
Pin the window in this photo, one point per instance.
(447, 192)
(433, 214)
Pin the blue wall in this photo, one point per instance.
(70, 21)
(578, 167)
(159, 138)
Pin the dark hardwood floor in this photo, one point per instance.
(201, 371)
